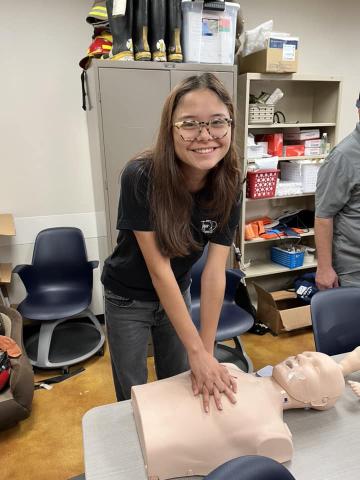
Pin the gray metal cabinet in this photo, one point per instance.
(125, 100)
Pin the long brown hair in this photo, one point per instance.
(170, 201)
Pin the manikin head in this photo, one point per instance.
(312, 379)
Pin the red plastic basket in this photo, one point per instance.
(261, 183)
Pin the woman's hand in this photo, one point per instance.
(208, 377)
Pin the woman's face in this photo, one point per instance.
(312, 378)
(204, 152)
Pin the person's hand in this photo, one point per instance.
(208, 377)
(355, 387)
(326, 278)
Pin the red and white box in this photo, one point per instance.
(293, 151)
(316, 143)
(312, 134)
(275, 143)
(310, 151)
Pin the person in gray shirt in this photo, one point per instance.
(337, 214)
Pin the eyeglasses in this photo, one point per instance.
(190, 130)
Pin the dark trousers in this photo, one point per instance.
(129, 324)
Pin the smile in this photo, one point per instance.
(204, 150)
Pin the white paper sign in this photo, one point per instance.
(119, 7)
(288, 52)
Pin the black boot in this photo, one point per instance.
(173, 27)
(157, 30)
(140, 31)
(121, 30)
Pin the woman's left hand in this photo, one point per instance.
(224, 384)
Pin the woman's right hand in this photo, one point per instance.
(209, 377)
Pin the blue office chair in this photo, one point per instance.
(233, 319)
(335, 315)
(59, 288)
(250, 467)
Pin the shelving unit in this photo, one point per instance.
(310, 194)
(308, 102)
(281, 159)
(271, 268)
(310, 233)
(289, 125)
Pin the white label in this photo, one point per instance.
(119, 7)
(288, 52)
(265, 371)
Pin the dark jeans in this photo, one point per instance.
(129, 323)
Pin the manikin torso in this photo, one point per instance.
(179, 439)
(259, 427)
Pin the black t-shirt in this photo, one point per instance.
(125, 272)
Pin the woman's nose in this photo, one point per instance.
(204, 133)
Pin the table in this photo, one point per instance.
(326, 443)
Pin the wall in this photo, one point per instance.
(45, 174)
(46, 179)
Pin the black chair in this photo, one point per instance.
(59, 289)
(233, 320)
(250, 467)
(335, 315)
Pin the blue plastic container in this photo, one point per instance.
(288, 259)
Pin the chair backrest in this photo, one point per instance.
(335, 317)
(60, 256)
(60, 246)
(250, 467)
(196, 271)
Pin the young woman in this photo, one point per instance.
(175, 198)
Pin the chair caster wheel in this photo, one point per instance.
(101, 352)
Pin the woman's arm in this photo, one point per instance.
(213, 283)
(208, 373)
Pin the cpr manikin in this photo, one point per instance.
(179, 439)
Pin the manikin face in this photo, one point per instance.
(203, 153)
(312, 378)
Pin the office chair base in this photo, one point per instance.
(62, 343)
(237, 356)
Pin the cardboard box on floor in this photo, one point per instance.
(281, 311)
(7, 226)
(280, 56)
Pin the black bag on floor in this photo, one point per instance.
(242, 298)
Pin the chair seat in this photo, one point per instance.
(233, 320)
(53, 305)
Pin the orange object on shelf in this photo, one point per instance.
(254, 229)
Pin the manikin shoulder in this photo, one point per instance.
(276, 444)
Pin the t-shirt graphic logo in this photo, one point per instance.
(208, 226)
